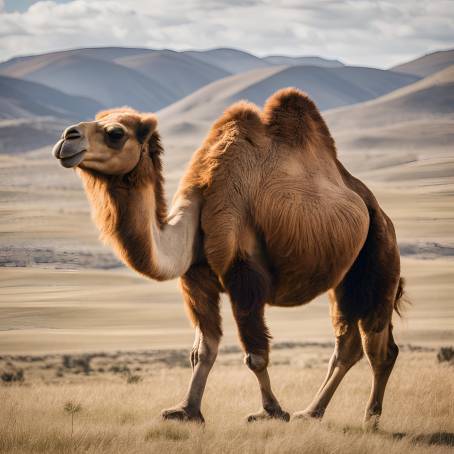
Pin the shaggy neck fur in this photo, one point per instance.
(131, 213)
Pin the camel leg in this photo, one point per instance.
(347, 352)
(254, 337)
(201, 294)
(246, 288)
(381, 352)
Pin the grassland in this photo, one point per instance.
(117, 417)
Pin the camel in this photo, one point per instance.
(264, 212)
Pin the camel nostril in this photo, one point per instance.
(73, 132)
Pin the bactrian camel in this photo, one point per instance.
(265, 212)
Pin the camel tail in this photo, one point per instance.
(401, 299)
(292, 118)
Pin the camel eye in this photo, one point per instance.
(115, 133)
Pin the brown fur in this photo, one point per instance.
(201, 290)
(281, 222)
(119, 202)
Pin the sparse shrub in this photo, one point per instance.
(12, 374)
(446, 354)
(119, 369)
(79, 363)
(84, 363)
(131, 379)
(67, 361)
(72, 408)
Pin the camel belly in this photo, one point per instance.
(312, 239)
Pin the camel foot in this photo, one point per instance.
(265, 415)
(370, 423)
(308, 415)
(180, 413)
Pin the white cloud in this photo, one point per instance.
(369, 32)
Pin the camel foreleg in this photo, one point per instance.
(246, 284)
(200, 289)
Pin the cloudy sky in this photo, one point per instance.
(363, 32)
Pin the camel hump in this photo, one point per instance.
(291, 117)
(242, 116)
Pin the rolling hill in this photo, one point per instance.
(427, 99)
(181, 73)
(20, 135)
(427, 64)
(303, 61)
(232, 60)
(403, 136)
(329, 87)
(108, 83)
(33, 115)
(20, 98)
(101, 53)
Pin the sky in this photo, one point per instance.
(377, 33)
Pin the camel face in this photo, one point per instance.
(110, 145)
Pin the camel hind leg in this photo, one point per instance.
(381, 352)
(361, 310)
(347, 352)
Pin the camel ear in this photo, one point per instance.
(146, 128)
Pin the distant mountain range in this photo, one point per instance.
(329, 87)
(190, 89)
(145, 79)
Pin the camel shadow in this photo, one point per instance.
(435, 438)
(431, 439)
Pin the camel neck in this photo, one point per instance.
(130, 220)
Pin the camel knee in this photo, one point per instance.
(256, 362)
(388, 362)
(345, 357)
(204, 353)
(345, 362)
(383, 361)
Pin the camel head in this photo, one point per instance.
(113, 144)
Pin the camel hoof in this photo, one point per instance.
(182, 414)
(370, 424)
(307, 415)
(265, 415)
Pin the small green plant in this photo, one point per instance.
(71, 408)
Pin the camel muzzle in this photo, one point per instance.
(71, 148)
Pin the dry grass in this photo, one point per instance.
(117, 417)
